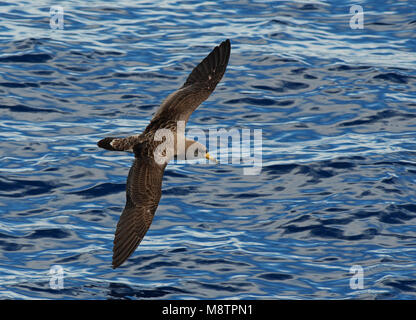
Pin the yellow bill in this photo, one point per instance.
(209, 157)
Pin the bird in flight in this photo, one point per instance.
(152, 150)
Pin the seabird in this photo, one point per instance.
(144, 181)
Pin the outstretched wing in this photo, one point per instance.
(143, 192)
(198, 86)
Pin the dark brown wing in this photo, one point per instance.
(198, 86)
(143, 192)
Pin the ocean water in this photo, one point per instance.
(337, 189)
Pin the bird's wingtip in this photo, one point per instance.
(116, 263)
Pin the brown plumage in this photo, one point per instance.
(144, 182)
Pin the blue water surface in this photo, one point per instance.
(337, 110)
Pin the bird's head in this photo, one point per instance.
(195, 150)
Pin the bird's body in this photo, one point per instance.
(144, 182)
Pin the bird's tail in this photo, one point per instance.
(106, 144)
